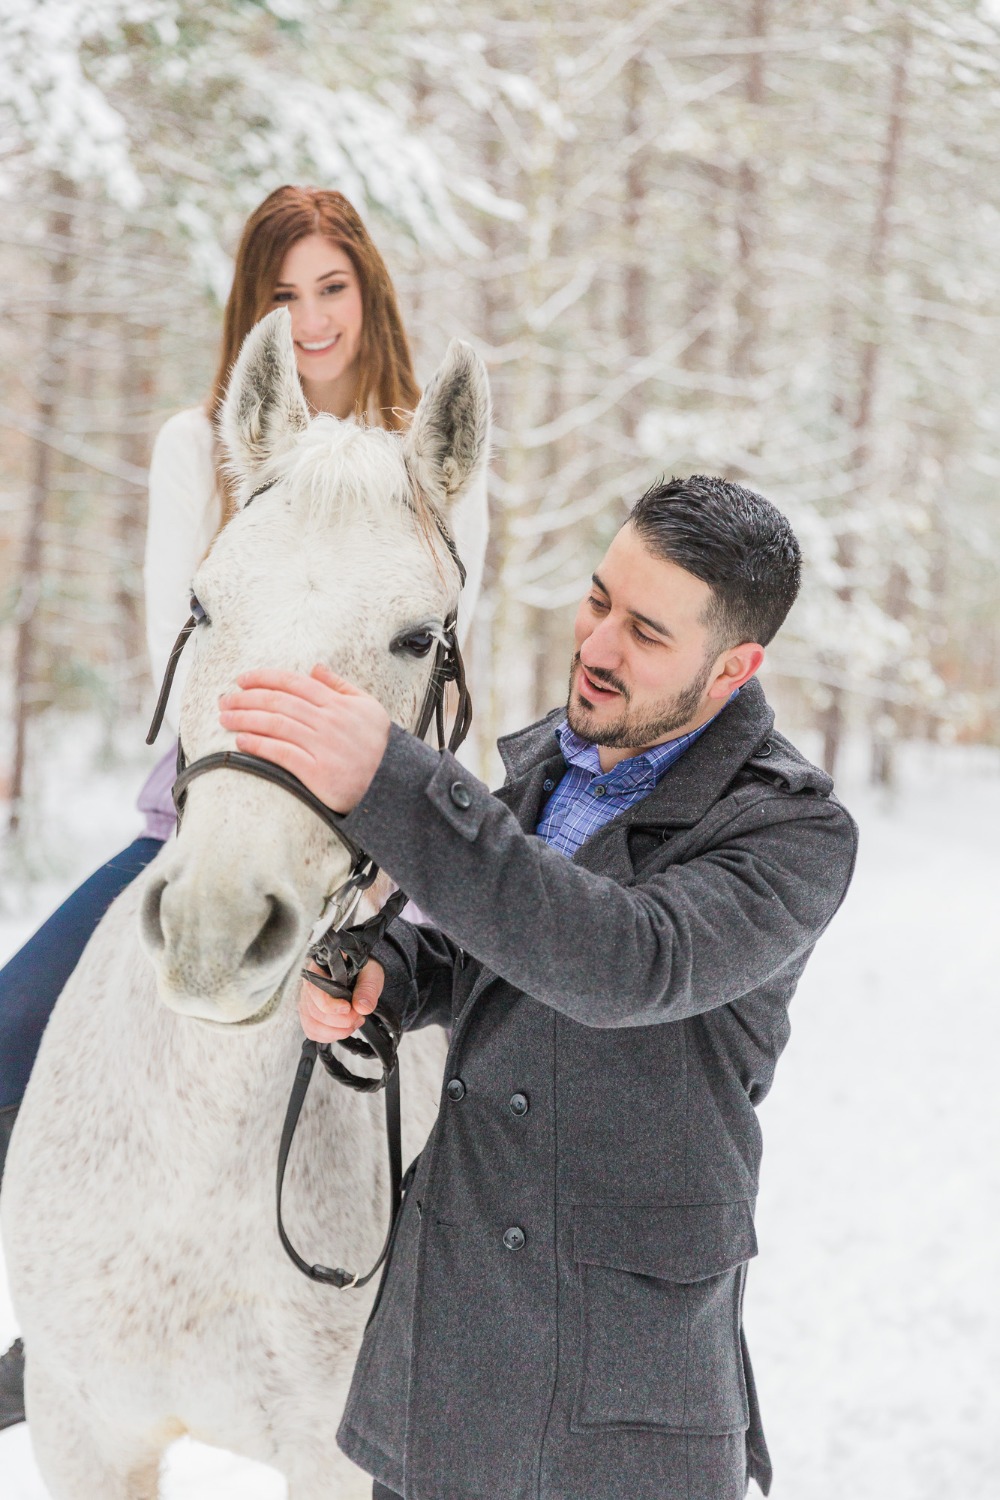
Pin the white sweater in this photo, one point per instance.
(185, 510)
(184, 515)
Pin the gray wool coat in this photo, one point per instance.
(561, 1315)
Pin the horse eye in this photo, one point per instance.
(417, 644)
(198, 610)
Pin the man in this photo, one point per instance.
(621, 929)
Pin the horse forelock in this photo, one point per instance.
(339, 469)
(353, 473)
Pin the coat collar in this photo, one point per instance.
(526, 747)
(743, 733)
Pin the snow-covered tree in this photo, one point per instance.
(756, 238)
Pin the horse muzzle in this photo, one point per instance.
(225, 956)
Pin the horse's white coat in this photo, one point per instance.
(138, 1203)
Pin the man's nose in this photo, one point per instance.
(602, 647)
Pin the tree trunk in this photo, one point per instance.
(869, 365)
(749, 209)
(487, 626)
(50, 391)
(635, 277)
(137, 372)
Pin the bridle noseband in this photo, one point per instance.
(342, 952)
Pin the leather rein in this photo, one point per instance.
(341, 952)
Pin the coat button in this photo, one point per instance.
(460, 795)
(455, 1089)
(519, 1104)
(548, 784)
(514, 1238)
(599, 791)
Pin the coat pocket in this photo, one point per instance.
(661, 1293)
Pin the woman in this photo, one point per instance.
(307, 249)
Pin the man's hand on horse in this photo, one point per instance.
(325, 1019)
(323, 729)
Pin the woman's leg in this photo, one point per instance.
(30, 984)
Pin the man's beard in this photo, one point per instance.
(628, 732)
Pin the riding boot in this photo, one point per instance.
(12, 1385)
(11, 1363)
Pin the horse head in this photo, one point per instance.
(340, 559)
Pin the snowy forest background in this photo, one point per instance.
(755, 238)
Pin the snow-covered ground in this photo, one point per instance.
(871, 1313)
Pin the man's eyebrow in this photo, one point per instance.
(653, 624)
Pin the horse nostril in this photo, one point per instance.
(278, 934)
(149, 916)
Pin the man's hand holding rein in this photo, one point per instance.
(326, 1019)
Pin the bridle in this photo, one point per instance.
(341, 952)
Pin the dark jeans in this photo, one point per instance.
(31, 983)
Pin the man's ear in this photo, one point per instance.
(733, 668)
(264, 410)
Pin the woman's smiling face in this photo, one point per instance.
(319, 286)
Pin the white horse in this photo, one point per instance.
(138, 1198)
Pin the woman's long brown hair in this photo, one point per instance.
(387, 387)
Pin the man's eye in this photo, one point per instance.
(418, 643)
(647, 640)
(597, 603)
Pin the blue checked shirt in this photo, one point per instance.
(587, 797)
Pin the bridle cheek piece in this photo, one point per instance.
(341, 952)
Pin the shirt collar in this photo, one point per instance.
(634, 771)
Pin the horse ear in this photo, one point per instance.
(448, 443)
(264, 409)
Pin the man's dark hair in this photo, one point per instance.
(732, 539)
